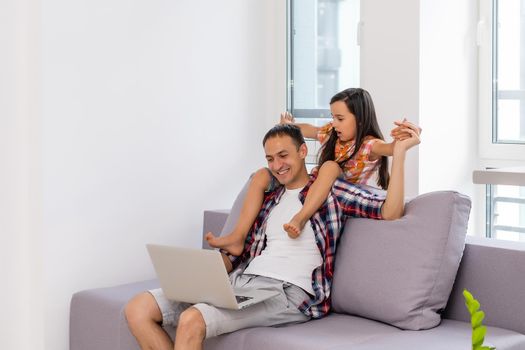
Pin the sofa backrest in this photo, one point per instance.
(494, 272)
(401, 272)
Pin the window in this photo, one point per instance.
(323, 57)
(502, 80)
(501, 31)
(506, 212)
(508, 115)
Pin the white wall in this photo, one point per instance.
(448, 81)
(21, 318)
(390, 68)
(152, 112)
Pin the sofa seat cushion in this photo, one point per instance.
(343, 332)
(333, 331)
(450, 335)
(98, 323)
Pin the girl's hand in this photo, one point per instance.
(404, 144)
(398, 132)
(287, 118)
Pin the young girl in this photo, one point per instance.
(352, 147)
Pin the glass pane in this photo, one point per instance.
(325, 55)
(508, 210)
(508, 118)
(509, 58)
(509, 33)
(313, 145)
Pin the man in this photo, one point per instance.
(299, 269)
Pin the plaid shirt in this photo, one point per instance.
(345, 200)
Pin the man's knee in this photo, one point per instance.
(142, 308)
(192, 322)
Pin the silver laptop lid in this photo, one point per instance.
(192, 275)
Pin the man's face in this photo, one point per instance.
(285, 161)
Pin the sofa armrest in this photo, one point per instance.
(494, 271)
(97, 320)
(214, 221)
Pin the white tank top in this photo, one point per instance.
(285, 258)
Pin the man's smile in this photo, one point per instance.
(282, 171)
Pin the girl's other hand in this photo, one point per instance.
(399, 133)
(287, 118)
(414, 139)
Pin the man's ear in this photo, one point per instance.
(303, 151)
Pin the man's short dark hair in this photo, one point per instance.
(285, 130)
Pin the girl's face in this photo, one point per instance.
(343, 121)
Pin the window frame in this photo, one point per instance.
(309, 114)
(489, 151)
(299, 113)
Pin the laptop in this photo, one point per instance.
(199, 276)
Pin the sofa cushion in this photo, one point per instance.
(344, 332)
(450, 335)
(401, 272)
(332, 331)
(98, 323)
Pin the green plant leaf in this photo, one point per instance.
(477, 318)
(478, 335)
(471, 303)
(468, 296)
(467, 305)
(473, 307)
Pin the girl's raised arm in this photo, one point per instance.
(381, 148)
(394, 205)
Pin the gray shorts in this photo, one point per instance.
(278, 310)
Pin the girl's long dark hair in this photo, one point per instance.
(360, 104)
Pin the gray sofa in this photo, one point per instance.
(396, 286)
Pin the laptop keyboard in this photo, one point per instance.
(241, 298)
